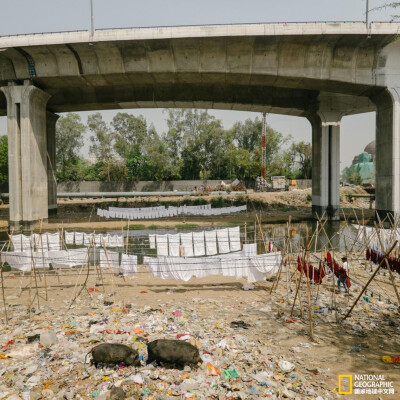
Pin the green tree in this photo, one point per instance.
(3, 159)
(354, 177)
(69, 140)
(247, 135)
(102, 145)
(130, 134)
(195, 142)
(299, 159)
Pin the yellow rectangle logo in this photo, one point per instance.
(347, 381)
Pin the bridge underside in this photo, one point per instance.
(320, 76)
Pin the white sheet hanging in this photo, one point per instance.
(16, 241)
(234, 238)
(223, 240)
(27, 242)
(129, 264)
(162, 245)
(173, 245)
(79, 238)
(262, 265)
(112, 262)
(53, 240)
(78, 257)
(87, 239)
(20, 260)
(69, 237)
(187, 244)
(211, 242)
(58, 259)
(249, 249)
(152, 241)
(198, 244)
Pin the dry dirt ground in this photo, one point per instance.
(146, 308)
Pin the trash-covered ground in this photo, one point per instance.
(250, 345)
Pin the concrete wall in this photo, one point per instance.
(141, 186)
(304, 183)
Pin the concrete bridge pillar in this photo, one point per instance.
(326, 164)
(387, 175)
(51, 162)
(27, 154)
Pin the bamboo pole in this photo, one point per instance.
(308, 289)
(86, 279)
(371, 278)
(2, 285)
(388, 267)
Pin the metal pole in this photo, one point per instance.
(367, 15)
(91, 19)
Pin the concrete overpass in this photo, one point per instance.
(322, 71)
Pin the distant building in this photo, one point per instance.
(364, 164)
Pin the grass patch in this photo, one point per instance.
(234, 223)
(186, 226)
(153, 227)
(138, 226)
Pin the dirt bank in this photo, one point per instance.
(271, 207)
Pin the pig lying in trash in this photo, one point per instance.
(173, 352)
(112, 353)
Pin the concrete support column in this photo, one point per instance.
(27, 142)
(51, 162)
(326, 165)
(387, 175)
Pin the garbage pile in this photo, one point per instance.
(242, 352)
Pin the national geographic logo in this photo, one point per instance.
(364, 384)
(345, 384)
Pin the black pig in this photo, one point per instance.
(173, 352)
(112, 353)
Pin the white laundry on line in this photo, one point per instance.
(129, 264)
(69, 237)
(109, 261)
(53, 240)
(187, 244)
(211, 242)
(234, 238)
(223, 240)
(173, 245)
(198, 244)
(152, 241)
(20, 260)
(79, 238)
(162, 245)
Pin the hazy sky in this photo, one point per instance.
(27, 16)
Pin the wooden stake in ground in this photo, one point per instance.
(2, 285)
(388, 267)
(308, 289)
(371, 278)
(297, 291)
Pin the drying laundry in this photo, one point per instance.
(199, 244)
(223, 240)
(128, 264)
(211, 242)
(187, 244)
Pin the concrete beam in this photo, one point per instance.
(326, 164)
(26, 126)
(51, 162)
(387, 176)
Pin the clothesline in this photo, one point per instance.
(242, 264)
(53, 241)
(197, 244)
(25, 260)
(162, 212)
